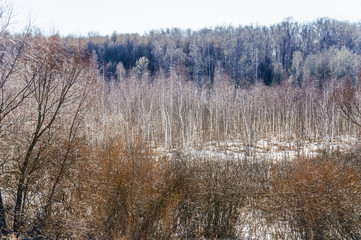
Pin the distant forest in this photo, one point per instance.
(302, 53)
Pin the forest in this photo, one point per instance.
(303, 53)
(248, 132)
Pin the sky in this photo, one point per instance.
(80, 17)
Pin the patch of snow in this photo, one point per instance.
(266, 149)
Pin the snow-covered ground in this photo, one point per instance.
(271, 149)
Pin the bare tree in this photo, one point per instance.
(12, 90)
(42, 110)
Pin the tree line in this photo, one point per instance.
(301, 52)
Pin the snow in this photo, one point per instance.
(265, 149)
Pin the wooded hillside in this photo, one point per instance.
(303, 53)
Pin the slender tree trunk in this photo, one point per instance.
(180, 109)
(3, 226)
(19, 196)
(20, 187)
(18, 203)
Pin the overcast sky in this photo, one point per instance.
(79, 17)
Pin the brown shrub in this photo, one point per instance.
(218, 189)
(131, 194)
(319, 198)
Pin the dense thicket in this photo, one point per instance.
(314, 51)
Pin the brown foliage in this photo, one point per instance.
(319, 198)
(131, 193)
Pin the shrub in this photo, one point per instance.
(319, 198)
